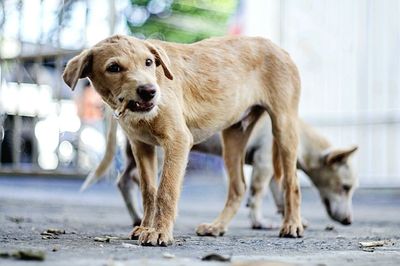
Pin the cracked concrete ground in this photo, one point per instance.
(30, 205)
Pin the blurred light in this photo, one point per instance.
(93, 139)
(48, 161)
(68, 119)
(27, 99)
(47, 134)
(32, 99)
(156, 6)
(7, 98)
(66, 151)
(10, 48)
(138, 16)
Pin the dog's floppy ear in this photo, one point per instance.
(162, 59)
(78, 67)
(339, 155)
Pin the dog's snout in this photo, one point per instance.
(346, 221)
(146, 92)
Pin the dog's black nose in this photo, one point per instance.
(146, 92)
(346, 221)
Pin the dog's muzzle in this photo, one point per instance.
(344, 221)
(145, 103)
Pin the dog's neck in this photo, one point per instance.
(312, 146)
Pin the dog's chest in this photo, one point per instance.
(138, 133)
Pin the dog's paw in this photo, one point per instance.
(153, 237)
(263, 225)
(137, 230)
(210, 230)
(291, 229)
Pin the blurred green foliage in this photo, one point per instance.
(183, 21)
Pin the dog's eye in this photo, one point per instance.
(149, 62)
(346, 188)
(114, 68)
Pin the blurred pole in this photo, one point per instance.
(280, 6)
(84, 44)
(59, 56)
(2, 22)
(16, 151)
(59, 63)
(111, 16)
(85, 27)
(38, 65)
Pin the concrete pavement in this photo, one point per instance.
(28, 206)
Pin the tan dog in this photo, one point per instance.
(198, 90)
(328, 168)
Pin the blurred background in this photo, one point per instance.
(347, 53)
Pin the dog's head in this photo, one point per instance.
(336, 181)
(124, 72)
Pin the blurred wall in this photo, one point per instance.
(348, 56)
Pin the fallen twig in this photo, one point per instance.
(370, 244)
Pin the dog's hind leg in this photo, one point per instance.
(125, 183)
(234, 143)
(277, 194)
(286, 140)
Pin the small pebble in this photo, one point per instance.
(216, 257)
(128, 245)
(329, 228)
(168, 255)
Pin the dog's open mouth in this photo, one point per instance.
(133, 106)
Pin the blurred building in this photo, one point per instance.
(347, 53)
(45, 127)
(348, 56)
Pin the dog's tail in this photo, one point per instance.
(97, 174)
(277, 161)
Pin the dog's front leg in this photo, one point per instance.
(176, 150)
(145, 158)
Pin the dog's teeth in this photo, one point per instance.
(136, 104)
